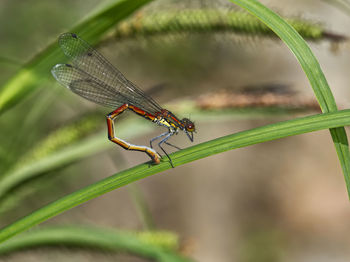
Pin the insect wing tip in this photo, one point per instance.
(55, 69)
(65, 36)
(59, 71)
(69, 43)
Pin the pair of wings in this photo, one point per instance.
(91, 76)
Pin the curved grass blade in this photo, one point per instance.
(44, 160)
(157, 245)
(33, 74)
(237, 140)
(312, 70)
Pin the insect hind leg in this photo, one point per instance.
(126, 145)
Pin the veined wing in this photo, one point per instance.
(87, 86)
(90, 61)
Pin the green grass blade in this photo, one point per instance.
(44, 160)
(158, 245)
(241, 139)
(31, 76)
(97, 143)
(312, 70)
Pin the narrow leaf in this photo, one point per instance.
(312, 70)
(241, 139)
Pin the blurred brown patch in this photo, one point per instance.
(276, 97)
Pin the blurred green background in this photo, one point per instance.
(283, 200)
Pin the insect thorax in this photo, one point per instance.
(164, 122)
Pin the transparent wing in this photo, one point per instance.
(87, 86)
(89, 60)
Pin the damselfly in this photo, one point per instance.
(91, 76)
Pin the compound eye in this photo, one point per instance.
(190, 127)
(188, 124)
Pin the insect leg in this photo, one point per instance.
(111, 136)
(178, 148)
(160, 146)
(157, 137)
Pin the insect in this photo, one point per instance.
(92, 77)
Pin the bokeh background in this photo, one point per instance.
(283, 200)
